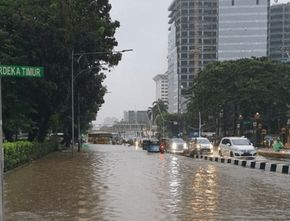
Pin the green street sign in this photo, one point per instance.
(21, 71)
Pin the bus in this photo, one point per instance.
(103, 137)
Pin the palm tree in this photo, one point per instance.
(157, 111)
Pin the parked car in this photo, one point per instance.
(177, 145)
(153, 146)
(236, 147)
(200, 145)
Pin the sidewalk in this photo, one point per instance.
(269, 152)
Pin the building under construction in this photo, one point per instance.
(192, 43)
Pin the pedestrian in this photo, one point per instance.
(277, 145)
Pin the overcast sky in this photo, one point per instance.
(144, 28)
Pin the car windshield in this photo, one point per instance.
(177, 140)
(155, 142)
(203, 141)
(241, 142)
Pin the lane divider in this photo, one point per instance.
(252, 164)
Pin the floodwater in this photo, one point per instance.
(123, 183)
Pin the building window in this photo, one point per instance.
(233, 2)
(257, 2)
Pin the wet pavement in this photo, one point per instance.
(127, 184)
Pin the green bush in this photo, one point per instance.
(21, 152)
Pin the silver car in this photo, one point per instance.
(236, 147)
(200, 145)
(177, 145)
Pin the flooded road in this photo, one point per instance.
(120, 183)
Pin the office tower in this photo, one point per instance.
(280, 32)
(243, 29)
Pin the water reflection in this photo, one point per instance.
(205, 193)
(117, 183)
(174, 183)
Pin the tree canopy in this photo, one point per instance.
(241, 89)
(44, 33)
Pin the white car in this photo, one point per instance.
(236, 147)
(177, 145)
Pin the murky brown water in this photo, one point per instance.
(124, 184)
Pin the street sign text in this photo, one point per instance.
(21, 71)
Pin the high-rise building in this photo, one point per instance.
(192, 43)
(243, 29)
(172, 71)
(135, 117)
(161, 81)
(280, 32)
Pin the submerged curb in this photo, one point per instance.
(252, 164)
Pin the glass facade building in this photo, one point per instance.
(280, 32)
(172, 71)
(243, 29)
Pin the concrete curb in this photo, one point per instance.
(252, 164)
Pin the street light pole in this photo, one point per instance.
(79, 125)
(72, 103)
(72, 84)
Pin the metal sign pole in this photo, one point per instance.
(1, 159)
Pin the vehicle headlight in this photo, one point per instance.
(184, 146)
(174, 146)
(211, 147)
(198, 146)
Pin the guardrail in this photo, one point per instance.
(252, 164)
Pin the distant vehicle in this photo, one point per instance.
(101, 137)
(145, 143)
(117, 139)
(236, 147)
(177, 145)
(154, 146)
(200, 145)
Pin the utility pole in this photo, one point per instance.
(72, 84)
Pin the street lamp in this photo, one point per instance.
(239, 124)
(255, 130)
(73, 78)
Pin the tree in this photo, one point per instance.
(157, 112)
(242, 88)
(44, 33)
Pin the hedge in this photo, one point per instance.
(21, 152)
